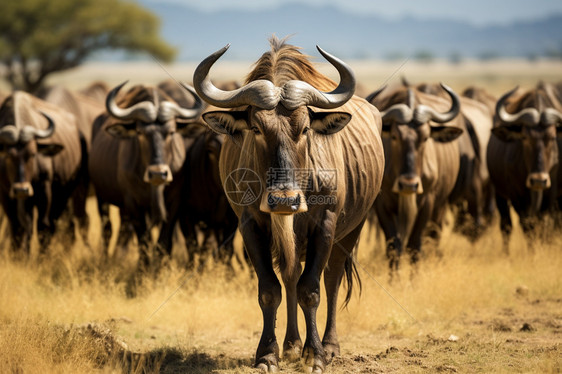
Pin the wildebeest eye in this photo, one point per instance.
(256, 130)
(305, 130)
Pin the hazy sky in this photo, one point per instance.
(475, 11)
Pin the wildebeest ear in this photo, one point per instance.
(49, 149)
(508, 133)
(122, 130)
(386, 129)
(444, 134)
(190, 129)
(327, 123)
(227, 122)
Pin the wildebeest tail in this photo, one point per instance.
(351, 273)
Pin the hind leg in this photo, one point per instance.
(340, 262)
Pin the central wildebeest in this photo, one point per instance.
(422, 165)
(39, 166)
(523, 157)
(473, 193)
(137, 149)
(320, 170)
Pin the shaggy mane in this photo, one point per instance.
(285, 62)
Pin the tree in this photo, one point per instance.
(39, 37)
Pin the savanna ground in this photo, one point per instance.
(468, 308)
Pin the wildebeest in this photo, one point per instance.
(200, 201)
(523, 157)
(422, 165)
(473, 193)
(320, 170)
(97, 90)
(85, 110)
(39, 165)
(137, 149)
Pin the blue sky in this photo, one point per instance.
(480, 12)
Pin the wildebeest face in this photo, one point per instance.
(150, 116)
(157, 150)
(536, 127)
(22, 165)
(280, 138)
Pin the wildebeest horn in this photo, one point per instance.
(9, 134)
(185, 113)
(527, 116)
(551, 116)
(144, 111)
(48, 132)
(297, 93)
(263, 94)
(27, 133)
(374, 94)
(424, 113)
(401, 113)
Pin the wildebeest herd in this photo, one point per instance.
(295, 161)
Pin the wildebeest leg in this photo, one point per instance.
(393, 243)
(308, 289)
(103, 210)
(258, 247)
(79, 197)
(475, 205)
(341, 253)
(144, 242)
(190, 236)
(414, 245)
(45, 225)
(20, 227)
(505, 221)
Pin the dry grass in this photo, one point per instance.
(185, 321)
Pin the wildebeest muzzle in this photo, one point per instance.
(21, 190)
(538, 181)
(158, 174)
(406, 185)
(283, 201)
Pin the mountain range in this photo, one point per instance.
(196, 33)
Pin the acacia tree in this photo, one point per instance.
(39, 37)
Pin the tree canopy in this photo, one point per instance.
(39, 37)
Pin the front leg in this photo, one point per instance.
(308, 289)
(257, 245)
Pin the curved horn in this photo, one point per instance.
(9, 134)
(374, 94)
(260, 93)
(399, 113)
(424, 113)
(144, 111)
(48, 132)
(168, 108)
(551, 116)
(527, 116)
(27, 133)
(297, 93)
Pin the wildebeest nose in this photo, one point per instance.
(538, 181)
(291, 201)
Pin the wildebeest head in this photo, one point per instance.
(531, 120)
(20, 148)
(153, 117)
(407, 123)
(274, 109)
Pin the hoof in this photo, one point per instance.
(313, 363)
(292, 352)
(332, 350)
(267, 368)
